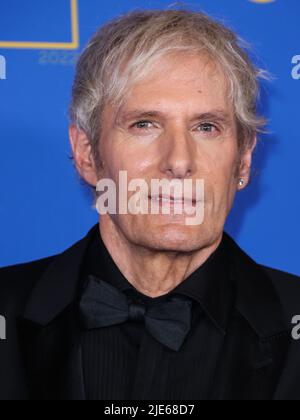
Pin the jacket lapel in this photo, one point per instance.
(49, 331)
(258, 338)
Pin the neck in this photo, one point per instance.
(153, 273)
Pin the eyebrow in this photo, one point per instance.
(215, 115)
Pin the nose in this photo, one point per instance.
(178, 155)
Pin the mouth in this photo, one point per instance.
(164, 199)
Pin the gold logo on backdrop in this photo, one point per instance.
(263, 1)
(73, 45)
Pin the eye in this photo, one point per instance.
(208, 128)
(143, 124)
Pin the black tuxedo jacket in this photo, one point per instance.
(41, 356)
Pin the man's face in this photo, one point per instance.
(177, 123)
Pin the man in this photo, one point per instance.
(148, 306)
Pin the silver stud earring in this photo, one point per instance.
(241, 182)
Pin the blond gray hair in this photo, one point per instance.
(122, 51)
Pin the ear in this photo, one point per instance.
(246, 162)
(82, 153)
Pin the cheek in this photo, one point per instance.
(222, 165)
(134, 163)
(221, 177)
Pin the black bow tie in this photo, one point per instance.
(103, 305)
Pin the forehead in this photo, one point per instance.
(181, 79)
(178, 85)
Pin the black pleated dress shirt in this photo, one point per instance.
(124, 362)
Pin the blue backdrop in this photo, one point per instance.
(43, 206)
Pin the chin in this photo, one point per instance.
(172, 238)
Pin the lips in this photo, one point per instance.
(172, 200)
